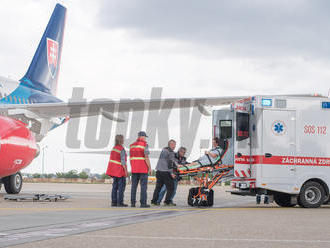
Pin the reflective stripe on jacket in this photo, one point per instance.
(137, 156)
(115, 167)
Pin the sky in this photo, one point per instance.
(121, 49)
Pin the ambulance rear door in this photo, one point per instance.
(242, 145)
(223, 129)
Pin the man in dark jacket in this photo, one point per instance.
(164, 173)
(181, 160)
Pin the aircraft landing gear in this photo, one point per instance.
(13, 184)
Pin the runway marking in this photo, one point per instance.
(147, 209)
(35, 233)
(209, 239)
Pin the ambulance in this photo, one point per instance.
(279, 146)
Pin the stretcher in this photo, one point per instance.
(206, 177)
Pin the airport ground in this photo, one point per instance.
(86, 220)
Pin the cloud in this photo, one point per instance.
(191, 48)
(232, 28)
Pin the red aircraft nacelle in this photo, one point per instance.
(18, 146)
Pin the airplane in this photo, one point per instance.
(29, 108)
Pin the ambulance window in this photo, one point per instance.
(226, 129)
(242, 126)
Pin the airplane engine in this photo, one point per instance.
(17, 146)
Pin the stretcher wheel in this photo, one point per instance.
(191, 199)
(207, 199)
(210, 198)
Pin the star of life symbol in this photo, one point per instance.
(52, 56)
(278, 127)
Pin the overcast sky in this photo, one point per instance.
(123, 48)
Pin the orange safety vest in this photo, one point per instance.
(115, 168)
(137, 156)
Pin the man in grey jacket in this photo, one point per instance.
(164, 173)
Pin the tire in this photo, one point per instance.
(192, 193)
(312, 195)
(283, 200)
(13, 184)
(326, 199)
(210, 198)
(208, 202)
(204, 200)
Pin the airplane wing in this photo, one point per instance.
(108, 107)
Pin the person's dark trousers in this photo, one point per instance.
(176, 182)
(163, 191)
(163, 177)
(118, 188)
(143, 179)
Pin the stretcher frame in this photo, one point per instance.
(203, 194)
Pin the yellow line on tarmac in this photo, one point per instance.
(140, 209)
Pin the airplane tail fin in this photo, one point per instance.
(44, 69)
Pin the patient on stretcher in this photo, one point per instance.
(211, 157)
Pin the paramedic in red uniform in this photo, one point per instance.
(117, 169)
(139, 158)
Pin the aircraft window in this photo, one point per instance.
(226, 130)
(242, 126)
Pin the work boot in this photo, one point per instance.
(145, 206)
(133, 205)
(174, 204)
(155, 203)
(114, 204)
(122, 205)
(169, 204)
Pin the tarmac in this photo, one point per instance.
(87, 220)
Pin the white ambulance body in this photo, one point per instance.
(280, 147)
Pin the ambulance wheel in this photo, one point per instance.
(13, 184)
(326, 199)
(311, 195)
(283, 200)
(191, 199)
